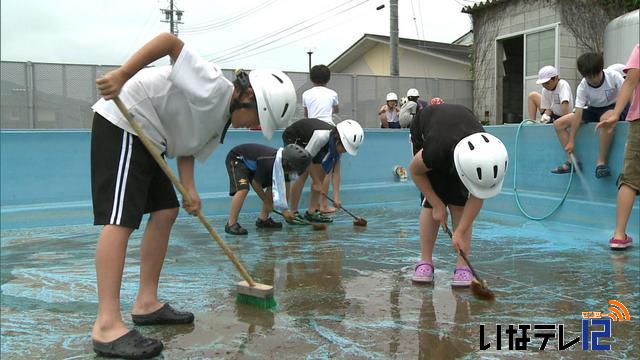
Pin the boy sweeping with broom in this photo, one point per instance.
(264, 168)
(325, 143)
(456, 166)
(185, 110)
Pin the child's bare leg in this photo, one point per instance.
(152, 253)
(428, 234)
(236, 205)
(624, 205)
(314, 201)
(110, 255)
(456, 215)
(296, 191)
(266, 197)
(605, 141)
(561, 125)
(324, 203)
(534, 99)
(336, 183)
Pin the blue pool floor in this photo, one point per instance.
(342, 293)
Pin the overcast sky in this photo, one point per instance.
(233, 33)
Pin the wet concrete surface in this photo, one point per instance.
(343, 293)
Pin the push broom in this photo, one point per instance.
(357, 221)
(248, 291)
(306, 222)
(479, 287)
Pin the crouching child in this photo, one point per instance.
(268, 170)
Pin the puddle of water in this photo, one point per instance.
(343, 293)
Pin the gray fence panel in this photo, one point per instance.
(59, 96)
(14, 105)
(342, 84)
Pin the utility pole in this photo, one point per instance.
(309, 50)
(393, 38)
(173, 16)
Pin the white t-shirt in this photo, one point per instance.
(601, 96)
(553, 99)
(182, 108)
(319, 101)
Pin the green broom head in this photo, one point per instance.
(266, 303)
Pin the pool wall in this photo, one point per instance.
(47, 172)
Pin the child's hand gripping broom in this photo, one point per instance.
(479, 287)
(248, 291)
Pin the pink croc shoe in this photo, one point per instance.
(618, 244)
(423, 273)
(462, 277)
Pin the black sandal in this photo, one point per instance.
(166, 315)
(565, 168)
(602, 171)
(268, 223)
(131, 345)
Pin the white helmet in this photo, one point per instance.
(351, 135)
(481, 161)
(275, 97)
(413, 92)
(392, 96)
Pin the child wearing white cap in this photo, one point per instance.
(556, 99)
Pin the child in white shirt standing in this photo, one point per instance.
(321, 103)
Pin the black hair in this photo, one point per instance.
(413, 98)
(590, 64)
(320, 74)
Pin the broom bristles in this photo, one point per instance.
(481, 291)
(319, 226)
(262, 303)
(360, 222)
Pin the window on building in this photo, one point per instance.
(540, 50)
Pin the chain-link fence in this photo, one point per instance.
(59, 96)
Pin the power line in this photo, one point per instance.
(266, 37)
(415, 23)
(421, 19)
(251, 53)
(226, 21)
(280, 34)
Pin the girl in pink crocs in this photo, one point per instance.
(455, 165)
(629, 181)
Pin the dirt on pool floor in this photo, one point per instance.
(342, 293)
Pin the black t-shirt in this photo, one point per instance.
(259, 160)
(301, 131)
(438, 130)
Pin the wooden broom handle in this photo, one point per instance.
(464, 257)
(345, 210)
(167, 170)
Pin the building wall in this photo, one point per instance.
(513, 18)
(376, 62)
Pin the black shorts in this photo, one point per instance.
(240, 177)
(593, 114)
(126, 182)
(448, 188)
